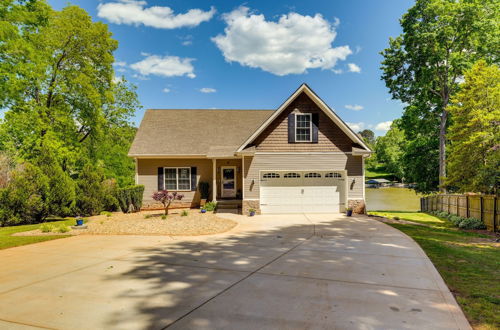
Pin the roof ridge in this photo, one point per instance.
(157, 109)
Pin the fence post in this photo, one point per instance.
(481, 208)
(467, 205)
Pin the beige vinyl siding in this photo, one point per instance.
(331, 161)
(147, 175)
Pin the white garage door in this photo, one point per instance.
(302, 191)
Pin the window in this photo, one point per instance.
(271, 176)
(313, 175)
(292, 175)
(303, 127)
(333, 175)
(177, 178)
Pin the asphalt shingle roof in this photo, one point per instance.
(195, 132)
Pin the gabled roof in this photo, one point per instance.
(304, 88)
(202, 132)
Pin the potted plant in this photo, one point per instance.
(79, 221)
(204, 192)
(349, 211)
(251, 212)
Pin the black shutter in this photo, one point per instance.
(193, 178)
(315, 124)
(291, 128)
(161, 179)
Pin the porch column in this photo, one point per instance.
(214, 180)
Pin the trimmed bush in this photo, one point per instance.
(184, 213)
(204, 189)
(130, 198)
(471, 223)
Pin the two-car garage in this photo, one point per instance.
(307, 191)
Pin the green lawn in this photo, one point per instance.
(7, 241)
(378, 174)
(469, 264)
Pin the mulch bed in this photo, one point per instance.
(195, 223)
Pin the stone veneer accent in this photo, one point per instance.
(358, 206)
(250, 204)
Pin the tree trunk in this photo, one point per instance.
(442, 151)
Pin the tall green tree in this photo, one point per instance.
(424, 65)
(368, 136)
(57, 84)
(474, 161)
(390, 149)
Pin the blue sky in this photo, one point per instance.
(254, 54)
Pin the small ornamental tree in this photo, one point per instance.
(166, 198)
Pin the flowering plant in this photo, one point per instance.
(166, 198)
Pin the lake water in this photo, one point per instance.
(392, 199)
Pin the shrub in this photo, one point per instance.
(61, 188)
(46, 228)
(211, 206)
(184, 213)
(90, 190)
(471, 223)
(25, 198)
(455, 220)
(164, 217)
(204, 189)
(106, 213)
(110, 200)
(130, 198)
(147, 216)
(62, 228)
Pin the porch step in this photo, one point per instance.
(229, 204)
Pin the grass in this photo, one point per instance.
(379, 173)
(468, 263)
(7, 241)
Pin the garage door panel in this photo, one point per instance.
(306, 192)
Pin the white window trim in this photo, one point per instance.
(176, 179)
(310, 126)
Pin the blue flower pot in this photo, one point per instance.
(252, 214)
(79, 222)
(349, 213)
(203, 211)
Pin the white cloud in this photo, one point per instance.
(208, 90)
(353, 68)
(166, 66)
(166, 90)
(356, 127)
(383, 126)
(292, 45)
(133, 12)
(120, 63)
(354, 107)
(187, 43)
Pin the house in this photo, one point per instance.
(377, 183)
(300, 158)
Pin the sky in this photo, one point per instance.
(254, 54)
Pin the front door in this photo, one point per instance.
(228, 182)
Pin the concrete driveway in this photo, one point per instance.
(269, 272)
